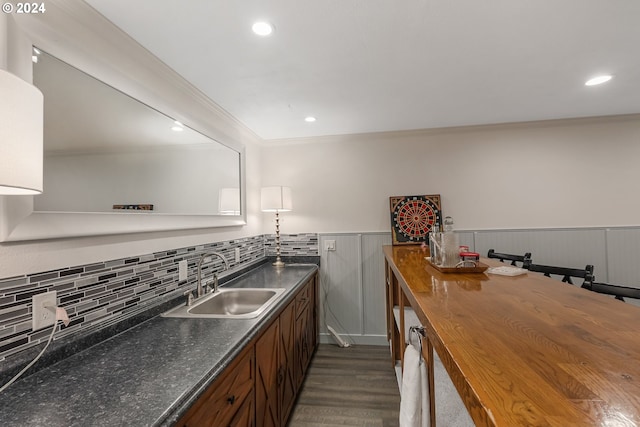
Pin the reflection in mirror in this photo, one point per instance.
(107, 152)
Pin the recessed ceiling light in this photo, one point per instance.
(262, 28)
(177, 128)
(598, 80)
(310, 119)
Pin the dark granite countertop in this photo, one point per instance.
(148, 375)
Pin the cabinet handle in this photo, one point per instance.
(280, 375)
(231, 399)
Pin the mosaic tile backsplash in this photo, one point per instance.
(102, 294)
(304, 244)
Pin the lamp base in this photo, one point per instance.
(278, 263)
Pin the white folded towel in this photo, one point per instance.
(424, 395)
(414, 406)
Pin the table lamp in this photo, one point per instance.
(21, 136)
(276, 199)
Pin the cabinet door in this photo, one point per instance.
(288, 381)
(267, 377)
(313, 316)
(303, 298)
(302, 346)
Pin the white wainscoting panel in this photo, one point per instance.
(373, 288)
(340, 285)
(352, 298)
(623, 256)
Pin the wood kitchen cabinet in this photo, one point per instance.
(275, 380)
(288, 386)
(283, 353)
(260, 386)
(302, 345)
(245, 416)
(268, 377)
(305, 328)
(230, 400)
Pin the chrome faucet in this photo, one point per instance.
(199, 288)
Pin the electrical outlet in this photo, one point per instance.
(237, 254)
(44, 310)
(182, 270)
(329, 245)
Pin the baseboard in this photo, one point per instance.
(381, 340)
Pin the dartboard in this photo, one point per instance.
(413, 217)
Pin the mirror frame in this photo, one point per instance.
(110, 55)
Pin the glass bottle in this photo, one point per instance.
(450, 244)
(435, 244)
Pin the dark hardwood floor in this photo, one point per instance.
(353, 386)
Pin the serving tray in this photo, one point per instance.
(479, 268)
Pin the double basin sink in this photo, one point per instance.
(232, 303)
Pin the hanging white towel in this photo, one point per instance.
(414, 407)
(424, 394)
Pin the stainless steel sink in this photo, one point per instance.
(239, 303)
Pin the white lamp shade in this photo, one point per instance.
(229, 201)
(276, 199)
(21, 136)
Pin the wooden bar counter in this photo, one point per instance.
(525, 350)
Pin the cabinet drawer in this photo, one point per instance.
(223, 399)
(302, 299)
(245, 415)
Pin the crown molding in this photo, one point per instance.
(76, 33)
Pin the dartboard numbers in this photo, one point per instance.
(413, 217)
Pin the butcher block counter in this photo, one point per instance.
(523, 350)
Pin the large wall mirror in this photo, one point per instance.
(110, 153)
(105, 151)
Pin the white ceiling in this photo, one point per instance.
(381, 65)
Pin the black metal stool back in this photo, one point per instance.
(620, 292)
(524, 259)
(567, 273)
